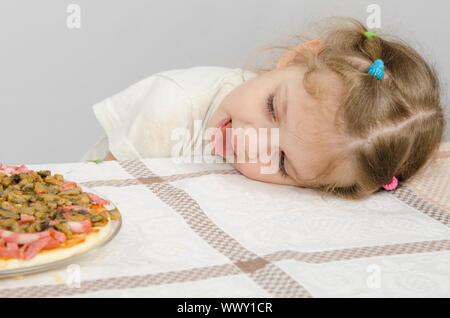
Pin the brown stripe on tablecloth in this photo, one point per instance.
(252, 265)
(265, 272)
(110, 183)
(148, 180)
(404, 192)
(278, 283)
(435, 196)
(361, 252)
(406, 195)
(181, 176)
(433, 183)
(123, 282)
(272, 279)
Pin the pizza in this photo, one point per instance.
(44, 218)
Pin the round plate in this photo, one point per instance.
(115, 226)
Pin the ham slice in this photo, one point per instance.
(22, 238)
(24, 218)
(33, 243)
(59, 236)
(9, 250)
(10, 170)
(97, 200)
(30, 250)
(56, 239)
(80, 227)
(67, 185)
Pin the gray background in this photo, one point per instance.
(50, 75)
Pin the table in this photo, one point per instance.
(205, 230)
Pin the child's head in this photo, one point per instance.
(341, 130)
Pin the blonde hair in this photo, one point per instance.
(393, 126)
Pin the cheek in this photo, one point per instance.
(243, 101)
(248, 169)
(253, 171)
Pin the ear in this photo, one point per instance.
(314, 46)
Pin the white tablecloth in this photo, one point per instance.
(204, 230)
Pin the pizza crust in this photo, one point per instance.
(49, 256)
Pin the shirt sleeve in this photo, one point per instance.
(139, 120)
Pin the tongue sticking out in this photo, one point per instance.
(225, 148)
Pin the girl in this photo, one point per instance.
(355, 112)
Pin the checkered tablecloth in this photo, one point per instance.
(205, 230)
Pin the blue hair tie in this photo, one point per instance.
(377, 69)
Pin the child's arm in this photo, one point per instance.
(109, 156)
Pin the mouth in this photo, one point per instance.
(228, 144)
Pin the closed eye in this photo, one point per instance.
(269, 106)
(271, 110)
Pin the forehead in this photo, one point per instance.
(309, 137)
(320, 89)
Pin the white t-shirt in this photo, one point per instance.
(138, 122)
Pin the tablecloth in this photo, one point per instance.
(204, 230)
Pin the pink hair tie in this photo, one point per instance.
(392, 185)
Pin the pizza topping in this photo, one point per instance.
(67, 186)
(31, 249)
(97, 200)
(9, 170)
(24, 218)
(32, 202)
(9, 250)
(64, 228)
(74, 207)
(81, 226)
(39, 211)
(31, 243)
(114, 214)
(59, 236)
(22, 238)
